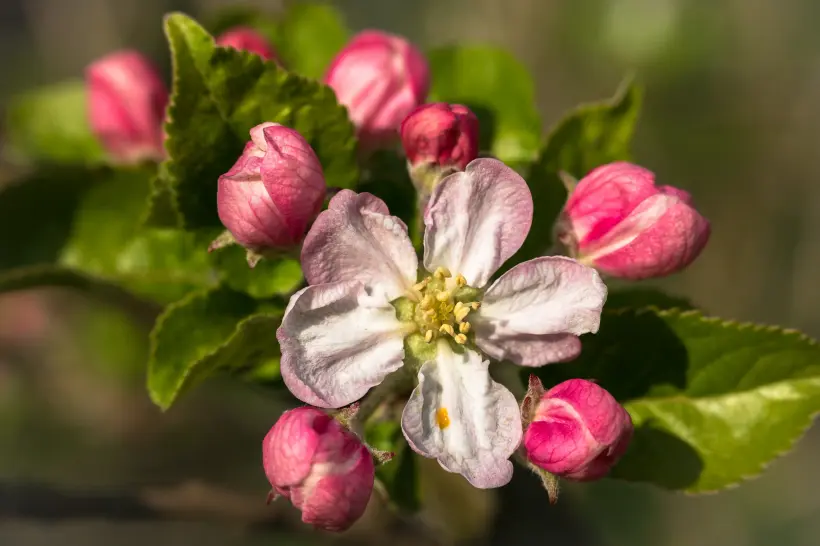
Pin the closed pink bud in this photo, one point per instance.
(442, 134)
(246, 39)
(578, 431)
(323, 468)
(273, 192)
(617, 220)
(380, 78)
(126, 105)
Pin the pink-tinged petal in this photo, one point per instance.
(460, 416)
(246, 208)
(476, 220)
(357, 239)
(337, 342)
(683, 195)
(533, 313)
(289, 446)
(668, 245)
(293, 177)
(246, 39)
(606, 196)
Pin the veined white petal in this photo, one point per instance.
(460, 416)
(337, 342)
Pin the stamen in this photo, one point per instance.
(475, 305)
(447, 329)
(428, 336)
(442, 273)
(461, 313)
(443, 295)
(464, 327)
(460, 280)
(461, 339)
(421, 285)
(427, 301)
(442, 419)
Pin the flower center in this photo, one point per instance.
(444, 303)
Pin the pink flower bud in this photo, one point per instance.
(126, 105)
(322, 467)
(442, 134)
(273, 192)
(380, 78)
(246, 39)
(617, 220)
(578, 431)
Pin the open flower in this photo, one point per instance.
(347, 331)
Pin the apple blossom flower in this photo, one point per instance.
(577, 431)
(346, 331)
(246, 39)
(380, 78)
(442, 134)
(323, 468)
(617, 220)
(126, 106)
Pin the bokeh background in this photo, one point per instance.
(732, 114)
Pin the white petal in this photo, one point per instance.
(484, 421)
(476, 220)
(357, 239)
(532, 314)
(337, 342)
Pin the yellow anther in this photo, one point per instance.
(442, 273)
(464, 327)
(430, 314)
(475, 305)
(447, 329)
(419, 286)
(428, 336)
(461, 313)
(460, 280)
(461, 339)
(427, 301)
(443, 295)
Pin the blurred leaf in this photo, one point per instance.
(36, 215)
(399, 476)
(713, 402)
(206, 332)
(243, 16)
(51, 125)
(219, 95)
(594, 134)
(633, 298)
(499, 89)
(590, 136)
(310, 35)
(270, 277)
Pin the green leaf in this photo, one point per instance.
(713, 402)
(219, 95)
(499, 89)
(399, 476)
(590, 136)
(107, 241)
(51, 125)
(388, 178)
(310, 35)
(594, 134)
(209, 331)
(270, 277)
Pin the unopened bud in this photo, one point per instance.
(617, 220)
(126, 106)
(380, 78)
(578, 431)
(273, 192)
(323, 468)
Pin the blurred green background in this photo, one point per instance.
(732, 114)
